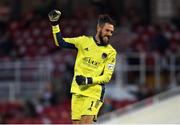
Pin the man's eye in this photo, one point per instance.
(108, 30)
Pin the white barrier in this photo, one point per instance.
(167, 111)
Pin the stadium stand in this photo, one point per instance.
(153, 45)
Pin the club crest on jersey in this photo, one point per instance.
(104, 55)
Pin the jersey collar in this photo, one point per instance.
(98, 44)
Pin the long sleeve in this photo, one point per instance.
(59, 41)
(108, 70)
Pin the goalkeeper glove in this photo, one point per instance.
(54, 16)
(81, 80)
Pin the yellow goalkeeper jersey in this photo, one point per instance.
(92, 60)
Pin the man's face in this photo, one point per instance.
(105, 32)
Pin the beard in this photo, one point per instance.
(104, 40)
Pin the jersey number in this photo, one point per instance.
(90, 108)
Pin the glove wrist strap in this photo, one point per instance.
(86, 81)
(89, 80)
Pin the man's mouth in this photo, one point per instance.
(106, 38)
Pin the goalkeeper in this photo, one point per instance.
(94, 67)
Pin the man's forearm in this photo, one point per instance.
(101, 79)
(59, 41)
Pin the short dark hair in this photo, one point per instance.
(105, 19)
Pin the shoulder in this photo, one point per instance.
(111, 49)
(84, 37)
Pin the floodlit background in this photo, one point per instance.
(35, 75)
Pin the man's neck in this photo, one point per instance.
(97, 40)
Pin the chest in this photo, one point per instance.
(94, 53)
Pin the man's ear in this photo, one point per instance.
(98, 28)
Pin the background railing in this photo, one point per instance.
(140, 68)
(21, 79)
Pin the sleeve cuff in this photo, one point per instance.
(55, 29)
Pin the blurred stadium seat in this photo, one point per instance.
(147, 46)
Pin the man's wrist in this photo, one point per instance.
(89, 80)
(81, 80)
(56, 28)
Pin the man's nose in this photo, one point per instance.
(109, 34)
